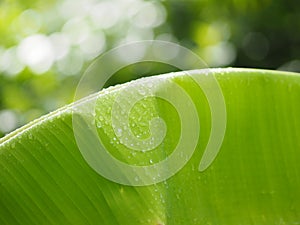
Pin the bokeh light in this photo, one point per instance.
(8, 121)
(36, 52)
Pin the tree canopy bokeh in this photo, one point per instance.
(46, 45)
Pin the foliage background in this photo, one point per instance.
(45, 46)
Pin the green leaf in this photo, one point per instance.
(45, 178)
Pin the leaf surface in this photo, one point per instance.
(254, 178)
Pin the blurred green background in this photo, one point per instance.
(46, 45)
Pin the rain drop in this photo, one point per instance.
(119, 132)
(150, 85)
(142, 91)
